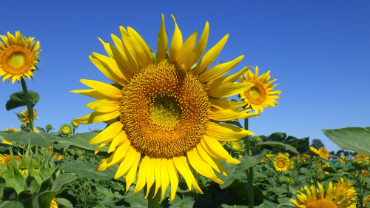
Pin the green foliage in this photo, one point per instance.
(32, 138)
(18, 99)
(351, 138)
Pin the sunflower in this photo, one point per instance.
(365, 173)
(5, 159)
(18, 56)
(342, 159)
(236, 146)
(314, 150)
(281, 162)
(66, 130)
(323, 153)
(165, 112)
(11, 129)
(342, 195)
(362, 156)
(53, 204)
(326, 165)
(26, 118)
(261, 94)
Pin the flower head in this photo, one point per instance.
(66, 130)
(26, 118)
(281, 162)
(342, 159)
(362, 156)
(18, 56)
(365, 173)
(165, 112)
(236, 146)
(342, 195)
(53, 204)
(261, 94)
(11, 129)
(314, 150)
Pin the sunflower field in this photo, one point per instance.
(173, 136)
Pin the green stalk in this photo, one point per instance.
(250, 170)
(361, 191)
(28, 102)
(154, 201)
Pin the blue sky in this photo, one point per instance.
(317, 50)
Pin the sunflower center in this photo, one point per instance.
(164, 110)
(281, 164)
(323, 203)
(16, 60)
(256, 94)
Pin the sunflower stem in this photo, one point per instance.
(154, 201)
(250, 170)
(28, 102)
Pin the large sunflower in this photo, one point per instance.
(18, 56)
(281, 162)
(342, 195)
(165, 112)
(261, 94)
(323, 153)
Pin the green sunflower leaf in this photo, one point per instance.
(280, 145)
(87, 170)
(32, 138)
(18, 99)
(351, 138)
(81, 141)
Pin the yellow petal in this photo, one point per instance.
(183, 168)
(164, 176)
(186, 48)
(103, 88)
(118, 140)
(162, 44)
(143, 46)
(126, 162)
(110, 66)
(103, 105)
(219, 70)
(229, 89)
(131, 175)
(210, 56)
(215, 148)
(108, 133)
(133, 48)
(102, 145)
(226, 104)
(128, 62)
(141, 179)
(202, 167)
(94, 94)
(157, 170)
(198, 49)
(174, 178)
(229, 114)
(213, 162)
(97, 117)
(118, 155)
(226, 80)
(226, 132)
(150, 176)
(176, 42)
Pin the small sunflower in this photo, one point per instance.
(11, 129)
(5, 159)
(165, 112)
(326, 165)
(365, 173)
(261, 94)
(236, 146)
(314, 150)
(342, 159)
(281, 162)
(291, 164)
(18, 56)
(5, 142)
(66, 130)
(342, 195)
(75, 124)
(26, 116)
(53, 204)
(365, 157)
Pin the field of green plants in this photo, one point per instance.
(172, 136)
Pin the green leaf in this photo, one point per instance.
(18, 99)
(87, 170)
(181, 203)
(278, 137)
(11, 204)
(280, 145)
(268, 204)
(137, 200)
(24, 138)
(351, 138)
(41, 129)
(81, 141)
(64, 202)
(62, 180)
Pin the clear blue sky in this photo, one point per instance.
(319, 52)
